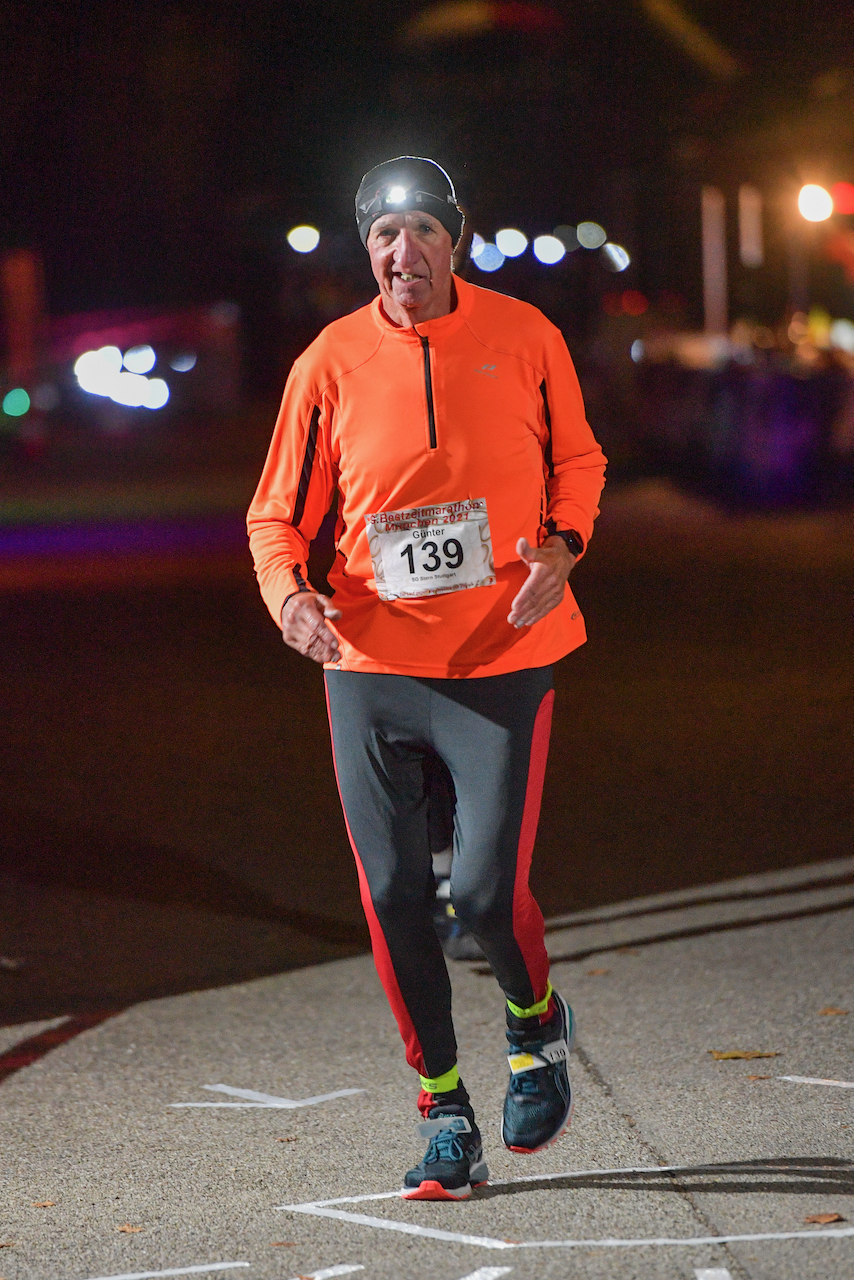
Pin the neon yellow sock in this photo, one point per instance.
(445, 1083)
(536, 1010)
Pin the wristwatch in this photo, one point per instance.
(572, 539)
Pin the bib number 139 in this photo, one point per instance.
(452, 552)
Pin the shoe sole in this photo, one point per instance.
(567, 1119)
(435, 1191)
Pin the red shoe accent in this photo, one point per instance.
(431, 1190)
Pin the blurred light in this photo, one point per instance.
(815, 204)
(615, 256)
(490, 258)
(394, 196)
(184, 362)
(157, 393)
(139, 359)
(843, 197)
(799, 328)
(477, 243)
(568, 238)
(634, 303)
(511, 242)
(637, 351)
(16, 403)
(129, 389)
(590, 235)
(97, 370)
(304, 239)
(842, 335)
(549, 249)
(46, 396)
(750, 247)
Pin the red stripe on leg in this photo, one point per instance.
(527, 916)
(379, 946)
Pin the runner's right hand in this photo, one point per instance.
(304, 628)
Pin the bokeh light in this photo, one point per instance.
(549, 250)
(842, 335)
(129, 389)
(157, 393)
(843, 197)
(511, 242)
(97, 370)
(568, 237)
(16, 402)
(304, 239)
(615, 257)
(634, 303)
(140, 359)
(46, 396)
(637, 350)
(590, 235)
(477, 243)
(490, 258)
(184, 362)
(815, 204)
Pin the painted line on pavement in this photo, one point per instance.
(176, 1271)
(326, 1273)
(836, 1084)
(488, 1273)
(320, 1210)
(712, 1273)
(269, 1100)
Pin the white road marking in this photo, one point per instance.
(836, 1084)
(255, 1099)
(488, 1273)
(176, 1271)
(320, 1210)
(712, 1273)
(343, 1269)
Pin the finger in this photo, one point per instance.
(524, 550)
(329, 610)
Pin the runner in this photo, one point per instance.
(449, 420)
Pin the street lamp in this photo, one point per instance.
(815, 204)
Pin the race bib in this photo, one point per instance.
(429, 551)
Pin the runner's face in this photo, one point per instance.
(411, 261)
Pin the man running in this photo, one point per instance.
(449, 420)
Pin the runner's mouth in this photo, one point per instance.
(406, 278)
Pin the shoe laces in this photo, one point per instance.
(444, 1145)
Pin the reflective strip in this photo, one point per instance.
(446, 1083)
(545, 1056)
(536, 1009)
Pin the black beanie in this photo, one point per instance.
(415, 184)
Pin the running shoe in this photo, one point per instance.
(457, 942)
(453, 1162)
(538, 1103)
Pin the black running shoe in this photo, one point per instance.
(453, 1162)
(538, 1103)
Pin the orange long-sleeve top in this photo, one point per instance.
(481, 403)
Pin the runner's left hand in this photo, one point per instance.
(548, 569)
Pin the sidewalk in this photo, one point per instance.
(121, 1160)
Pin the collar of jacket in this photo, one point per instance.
(433, 329)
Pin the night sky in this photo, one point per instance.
(158, 153)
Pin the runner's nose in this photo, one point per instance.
(407, 254)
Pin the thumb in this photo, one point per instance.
(328, 608)
(525, 551)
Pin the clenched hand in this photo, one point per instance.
(304, 627)
(548, 570)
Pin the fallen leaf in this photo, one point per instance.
(7, 1244)
(287, 1139)
(759, 1077)
(128, 1229)
(43, 1204)
(831, 1012)
(283, 1244)
(747, 1054)
(822, 1219)
(597, 973)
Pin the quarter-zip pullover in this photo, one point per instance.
(481, 403)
